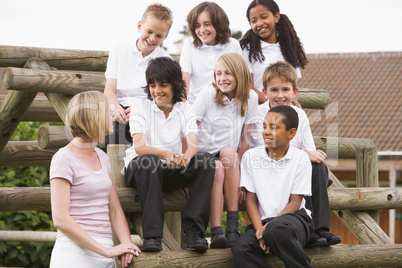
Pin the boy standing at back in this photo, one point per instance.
(276, 178)
(125, 72)
(280, 87)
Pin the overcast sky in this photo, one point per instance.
(322, 26)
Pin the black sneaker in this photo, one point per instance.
(195, 240)
(232, 237)
(330, 238)
(316, 241)
(153, 244)
(219, 241)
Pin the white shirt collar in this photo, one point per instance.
(269, 45)
(288, 155)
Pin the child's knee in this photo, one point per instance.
(147, 161)
(229, 157)
(278, 231)
(219, 173)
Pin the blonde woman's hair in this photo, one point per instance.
(281, 70)
(87, 115)
(237, 66)
(159, 12)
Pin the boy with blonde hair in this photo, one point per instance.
(125, 72)
(280, 87)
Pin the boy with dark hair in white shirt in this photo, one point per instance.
(154, 163)
(276, 178)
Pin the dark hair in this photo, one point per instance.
(289, 115)
(219, 20)
(166, 70)
(291, 47)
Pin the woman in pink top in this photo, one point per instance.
(85, 205)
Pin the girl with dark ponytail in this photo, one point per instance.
(271, 38)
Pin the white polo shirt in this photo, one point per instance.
(302, 140)
(221, 125)
(273, 54)
(127, 65)
(200, 63)
(274, 181)
(160, 132)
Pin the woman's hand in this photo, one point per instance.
(124, 252)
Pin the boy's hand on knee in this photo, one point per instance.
(259, 234)
(316, 156)
(182, 161)
(171, 158)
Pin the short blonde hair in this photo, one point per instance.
(159, 12)
(87, 115)
(282, 70)
(237, 66)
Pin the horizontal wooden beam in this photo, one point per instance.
(372, 198)
(25, 153)
(60, 82)
(38, 198)
(62, 59)
(341, 148)
(39, 111)
(313, 98)
(332, 256)
(42, 236)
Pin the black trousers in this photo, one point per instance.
(318, 202)
(121, 133)
(285, 235)
(150, 176)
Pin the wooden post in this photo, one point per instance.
(116, 164)
(367, 171)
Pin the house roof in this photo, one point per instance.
(366, 96)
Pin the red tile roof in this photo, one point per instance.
(366, 96)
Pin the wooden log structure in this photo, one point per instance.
(53, 137)
(72, 83)
(367, 171)
(38, 198)
(63, 59)
(41, 110)
(15, 105)
(52, 81)
(341, 148)
(332, 256)
(25, 153)
(359, 223)
(313, 98)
